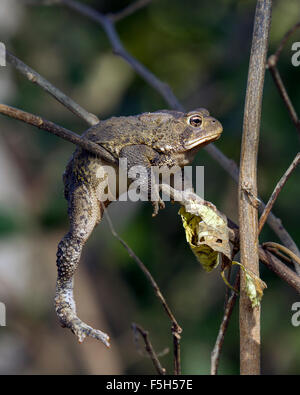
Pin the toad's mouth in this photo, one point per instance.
(202, 140)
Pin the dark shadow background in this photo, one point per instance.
(201, 49)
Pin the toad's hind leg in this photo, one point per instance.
(84, 214)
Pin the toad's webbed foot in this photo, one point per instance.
(81, 330)
(157, 205)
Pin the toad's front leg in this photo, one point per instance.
(84, 213)
(141, 157)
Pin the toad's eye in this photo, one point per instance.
(195, 121)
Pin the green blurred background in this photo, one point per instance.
(201, 49)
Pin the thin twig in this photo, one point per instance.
(59, 131)
(119, 49)
(250, 318)
(276, 225)
(149, 349)
(176, 329)
(228, 276)
(36, 78)
(280, 255)
(272, 66)
(176, 344)
(276, 191)
(267, 212)
(285, 38)
(279, 268)
(117, 16)
(271, 244)
(283, 92)
(216, 352)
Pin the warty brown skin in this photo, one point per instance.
(160, 138)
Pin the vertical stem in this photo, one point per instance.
(250, 318)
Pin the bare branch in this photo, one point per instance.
(272, 245)
(283, 92)
(216, 352)
(284, 40)
(280, 255)
(176, 329)
(116, 17)
(59, 131)
(118, 48)
(276, 191)
(266, 215)
(250, 318)
(36, 78)
(276, 225)
(279, 268)
(149, 348)
(272, 66)
(176, 347)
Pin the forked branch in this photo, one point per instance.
(149, 348)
